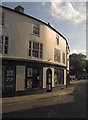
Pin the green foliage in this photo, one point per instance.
(87, 66)
(78, 63)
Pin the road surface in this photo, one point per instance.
(64, 106)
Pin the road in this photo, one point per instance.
(64, 106)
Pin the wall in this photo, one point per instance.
(19, 30)
(64, 77)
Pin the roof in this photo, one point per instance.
(36, 20)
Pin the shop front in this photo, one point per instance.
(21, 77)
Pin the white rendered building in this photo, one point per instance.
(33, 53)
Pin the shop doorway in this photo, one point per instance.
(36, 78)
(49, 80)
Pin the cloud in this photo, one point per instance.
(43, 3)
(66, 11)
(78, 51)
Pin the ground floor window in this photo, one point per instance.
(33, 77)
(58, 76)
(8, 78)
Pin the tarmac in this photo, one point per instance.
(54, 93)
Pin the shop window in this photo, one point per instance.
(33, 77)
(4, 45)
(29, 78)
(9, 78)
(35, 49)
(56, 76)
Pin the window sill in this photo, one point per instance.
(35, 35)
(34, 58)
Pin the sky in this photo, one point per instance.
(68, 18)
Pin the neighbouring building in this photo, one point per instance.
(33, 53)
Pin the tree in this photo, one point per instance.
(77, 64)
(87, 66)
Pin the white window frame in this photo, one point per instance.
(57, 55)
(37, 27)
(31, 50)
(57, 39)
(63, 57)
(2, 18)
(4, 44)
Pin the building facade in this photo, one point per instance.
(33, 53)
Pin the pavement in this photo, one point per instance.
(54, 93)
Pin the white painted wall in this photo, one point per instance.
(64, 77)
(19, 30)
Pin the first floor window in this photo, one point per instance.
(1, 18)
(57, 39)
(57, 55)
(35, 49)
(4, 44)
(63, 57)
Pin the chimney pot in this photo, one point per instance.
(19, 8)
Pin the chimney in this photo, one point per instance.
(48, 23)
(19, 8)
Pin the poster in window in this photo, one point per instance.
(29, 83)
(10, 78)
(29, 72)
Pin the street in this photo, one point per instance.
(64, 106)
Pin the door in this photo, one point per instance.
(36, 78)
(49, 80)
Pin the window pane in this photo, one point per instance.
(57, 39)
(1, 18)
(0, 39)
(36, 30)
(29, 44)
(35, 45)
(6, 50)
(29, 52)
(40, 46)
(40, 54)
(6, 42)
(64, 58)
(1, 49)
(56, 55)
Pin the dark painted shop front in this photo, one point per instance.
(33, 77)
